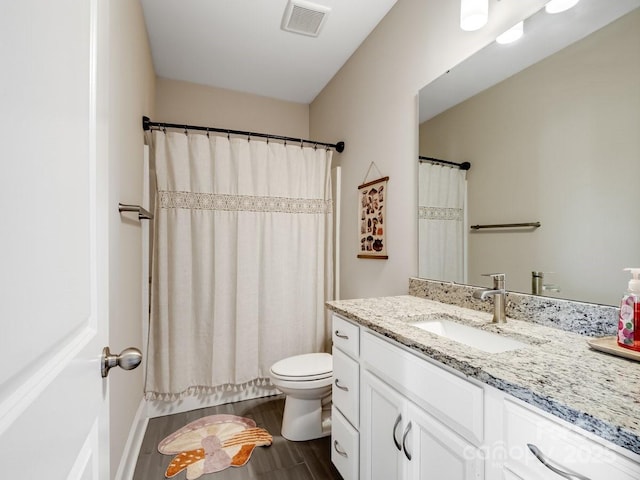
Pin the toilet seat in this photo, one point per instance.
(303, 368)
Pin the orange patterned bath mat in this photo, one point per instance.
(211, 444)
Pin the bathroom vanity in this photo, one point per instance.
(523, 400)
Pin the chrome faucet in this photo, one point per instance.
(498, 293)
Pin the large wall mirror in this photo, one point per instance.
(551, 127)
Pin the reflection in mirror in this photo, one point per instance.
(556, 142)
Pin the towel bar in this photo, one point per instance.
(507, 225)
(142, 213)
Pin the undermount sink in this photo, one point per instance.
(486, 341)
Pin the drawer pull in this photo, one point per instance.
(553, 467)
(341, 335)
(404, 442)
(341, 387)
(395, 427)
(336, 447)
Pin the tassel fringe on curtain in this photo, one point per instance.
(242, 262)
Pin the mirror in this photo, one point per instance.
(551, 127)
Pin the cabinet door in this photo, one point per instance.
(434, 452)
(382, 421)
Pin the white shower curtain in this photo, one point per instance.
(442, 195)
(242, 260)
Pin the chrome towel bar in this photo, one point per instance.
(142, 213)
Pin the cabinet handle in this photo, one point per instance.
(404, 442)
(336, 447)
(346, 389)
(395, 427)
(553, 466)
(341, 335)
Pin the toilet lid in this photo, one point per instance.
(309, 366)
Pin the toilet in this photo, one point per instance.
(306, 382)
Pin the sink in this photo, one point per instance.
(486, 341)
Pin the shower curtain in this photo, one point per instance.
(442, 196)
(242, 261)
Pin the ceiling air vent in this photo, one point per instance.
(304, 17)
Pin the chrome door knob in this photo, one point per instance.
(128, 359)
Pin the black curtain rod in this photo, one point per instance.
(147, 124)
(461, 166)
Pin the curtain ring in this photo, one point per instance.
(249, 137)
(164, 129)
(315, 146)
(185, 131)
(267, 139)
(228, 135)
(301, 143)
(207, 132)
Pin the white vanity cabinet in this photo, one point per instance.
(402, 441)
(345, 449)
(413, 417)
(567, 452)
(398, 415)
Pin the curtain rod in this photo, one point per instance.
(147, 124)
(461, 166)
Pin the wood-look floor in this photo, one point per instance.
(283, 460)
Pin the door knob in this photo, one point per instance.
(128, 359)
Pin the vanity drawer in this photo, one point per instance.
(453, 401)
(346, 385)
(344, 446)
(563, 447)
(346, 336)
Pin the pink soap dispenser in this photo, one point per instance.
(629, 319)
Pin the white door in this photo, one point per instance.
(382, 422)
(436, 452)
(53, 251)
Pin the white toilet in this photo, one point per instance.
(306, 381)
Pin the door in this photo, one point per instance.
(53, 246)
(437, 452)
(382, 423)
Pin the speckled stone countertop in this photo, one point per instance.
(556, 372)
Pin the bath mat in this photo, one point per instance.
(211, 444)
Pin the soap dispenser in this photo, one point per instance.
(629, 319)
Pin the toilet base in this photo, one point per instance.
(305, 419)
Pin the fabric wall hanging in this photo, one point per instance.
(372, 218)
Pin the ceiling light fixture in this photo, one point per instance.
(511, 35)
(557, 6)
(473, 14)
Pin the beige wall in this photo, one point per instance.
(131, 93)
(557, 143)
(371, 104)
(193, 104)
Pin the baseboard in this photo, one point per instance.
(134, 442)
(159, 408)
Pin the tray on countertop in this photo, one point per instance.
(610, 345)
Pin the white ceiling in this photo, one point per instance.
(238, 44)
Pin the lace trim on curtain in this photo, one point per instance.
(207, 390)
(243, 203)
(441, 213)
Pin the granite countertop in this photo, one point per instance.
(557, 371)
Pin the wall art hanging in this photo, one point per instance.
(372, 218)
